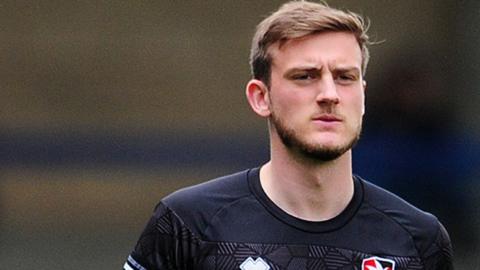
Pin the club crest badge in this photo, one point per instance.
(376, 263)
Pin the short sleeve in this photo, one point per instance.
(166, 243)
(439, 256)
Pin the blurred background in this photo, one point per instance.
(107, 106)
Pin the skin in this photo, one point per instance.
(317, 95)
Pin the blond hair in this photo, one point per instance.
(298, 19)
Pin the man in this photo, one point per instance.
(304, 209)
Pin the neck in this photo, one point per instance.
(307, 189)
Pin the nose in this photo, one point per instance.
(327, 91)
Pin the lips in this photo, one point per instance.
(327, 118)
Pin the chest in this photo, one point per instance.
(252, 256)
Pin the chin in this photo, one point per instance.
(323, 154)
(328, 150)
(319, 146)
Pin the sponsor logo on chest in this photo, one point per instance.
(251, 264)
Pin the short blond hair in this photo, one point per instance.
(298, 19)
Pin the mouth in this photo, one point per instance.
(327, 118)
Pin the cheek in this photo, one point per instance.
(363, 101)
(355, 106)
(285, 101)
(362, 105)
(359, 103)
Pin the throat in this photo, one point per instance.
(315, 205)
(310, 199)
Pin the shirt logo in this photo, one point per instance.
(376, 263)
(258, 264)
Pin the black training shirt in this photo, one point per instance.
(230, 223)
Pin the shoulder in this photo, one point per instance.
(196, 205)
(217, 190)
(395, 207)
(423, 228)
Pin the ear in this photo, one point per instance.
(258, 97)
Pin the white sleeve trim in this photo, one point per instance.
(131, 261)
(127, 267)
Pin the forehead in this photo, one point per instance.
(330, 48)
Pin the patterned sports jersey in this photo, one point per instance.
(230, 223)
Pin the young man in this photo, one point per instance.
(304, 209)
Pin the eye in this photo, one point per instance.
(346, 78)
(304, 76)
(301, 77)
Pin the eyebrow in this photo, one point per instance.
(308, 69)
(315, 69)
(347, 69)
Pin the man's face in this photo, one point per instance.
(317, 94)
